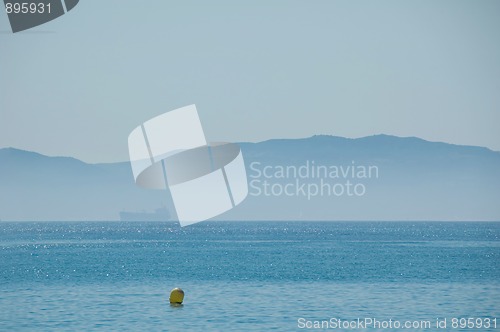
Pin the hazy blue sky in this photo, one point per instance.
(256, 70)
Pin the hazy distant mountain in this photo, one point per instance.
(416, 180)
(37, 187)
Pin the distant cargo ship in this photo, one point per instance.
(160, 214)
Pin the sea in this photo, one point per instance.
(250, 276)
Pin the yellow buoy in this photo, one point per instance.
(176, 296)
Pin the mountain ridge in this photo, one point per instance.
(419, 180)
(377, 137)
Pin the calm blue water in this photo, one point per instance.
(245, 276)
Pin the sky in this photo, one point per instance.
(256, 70)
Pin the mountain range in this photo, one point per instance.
(411, 179)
